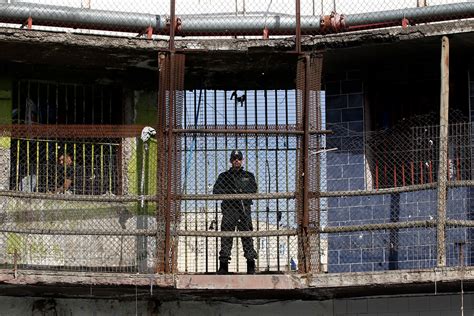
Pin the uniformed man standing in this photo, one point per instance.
(236, 213)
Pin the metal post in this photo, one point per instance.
(305, 222)
(298, 27)
(443, 152)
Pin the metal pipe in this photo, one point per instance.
(62, 16)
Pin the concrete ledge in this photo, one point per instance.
(388, 278)
(240, 282)
(83, 278)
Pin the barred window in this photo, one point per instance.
(43, 161)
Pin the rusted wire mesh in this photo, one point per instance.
(84, 202)
(239, 152)
(228, 18)
(381, 205)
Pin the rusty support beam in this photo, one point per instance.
(79, 198)
(260, 233)
(377, 226)
(73, 131)
(443, 152)
(79, 232)
(305, 175)
(170, 150)
(409, 188)
(298, 27)
(249, 131)
(163, 67)
(243, 196)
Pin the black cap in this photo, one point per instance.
(236, 154)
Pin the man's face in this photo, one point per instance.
(65, 160)
(236, 162)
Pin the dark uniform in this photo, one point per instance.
(236, 213)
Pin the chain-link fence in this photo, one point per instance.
(382, 205)
(78, 199)
(80, 191)
(227, 18)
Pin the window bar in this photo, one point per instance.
(277, 138)
(56, 148)
(216, 170)
(64, 168)
(84, 172)
(247, 147)
(268, 185)
(29, 120)
(286, 178)
(257, 209)
(92, 169)
(206, 161)
(236, 146)
(185, 183)
(27, 165)
(74, 167)
(36, 141)
(196, 214)
(111, 162)
(37, 166)
(17, 175)
(101, 187)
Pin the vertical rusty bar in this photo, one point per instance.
(169, 158)
(443, 152)
(161, 161)
(298, 27)
(305, 222)
(172, 28)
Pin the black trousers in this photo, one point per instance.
(242, 220)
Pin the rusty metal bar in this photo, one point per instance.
(410, 188)
(242, 196)
(170, 149)
(73, 131)
(377, 226)
(80, 198)
(163, 67)
(305, 157)
(212, 233)
(298, 27)
(443, 153)
(82, 232)
(249, 131)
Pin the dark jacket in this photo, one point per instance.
(235, 182)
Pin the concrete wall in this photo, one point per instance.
(422, 305)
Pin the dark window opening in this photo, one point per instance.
(403, 148)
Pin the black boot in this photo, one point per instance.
(223, 267)
(250, 266)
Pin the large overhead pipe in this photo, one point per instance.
(61, 16)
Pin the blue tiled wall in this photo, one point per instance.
(384, 249)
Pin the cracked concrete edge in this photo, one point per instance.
(240, 282)
(8, 277)
(388, 278)
(312, 42)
